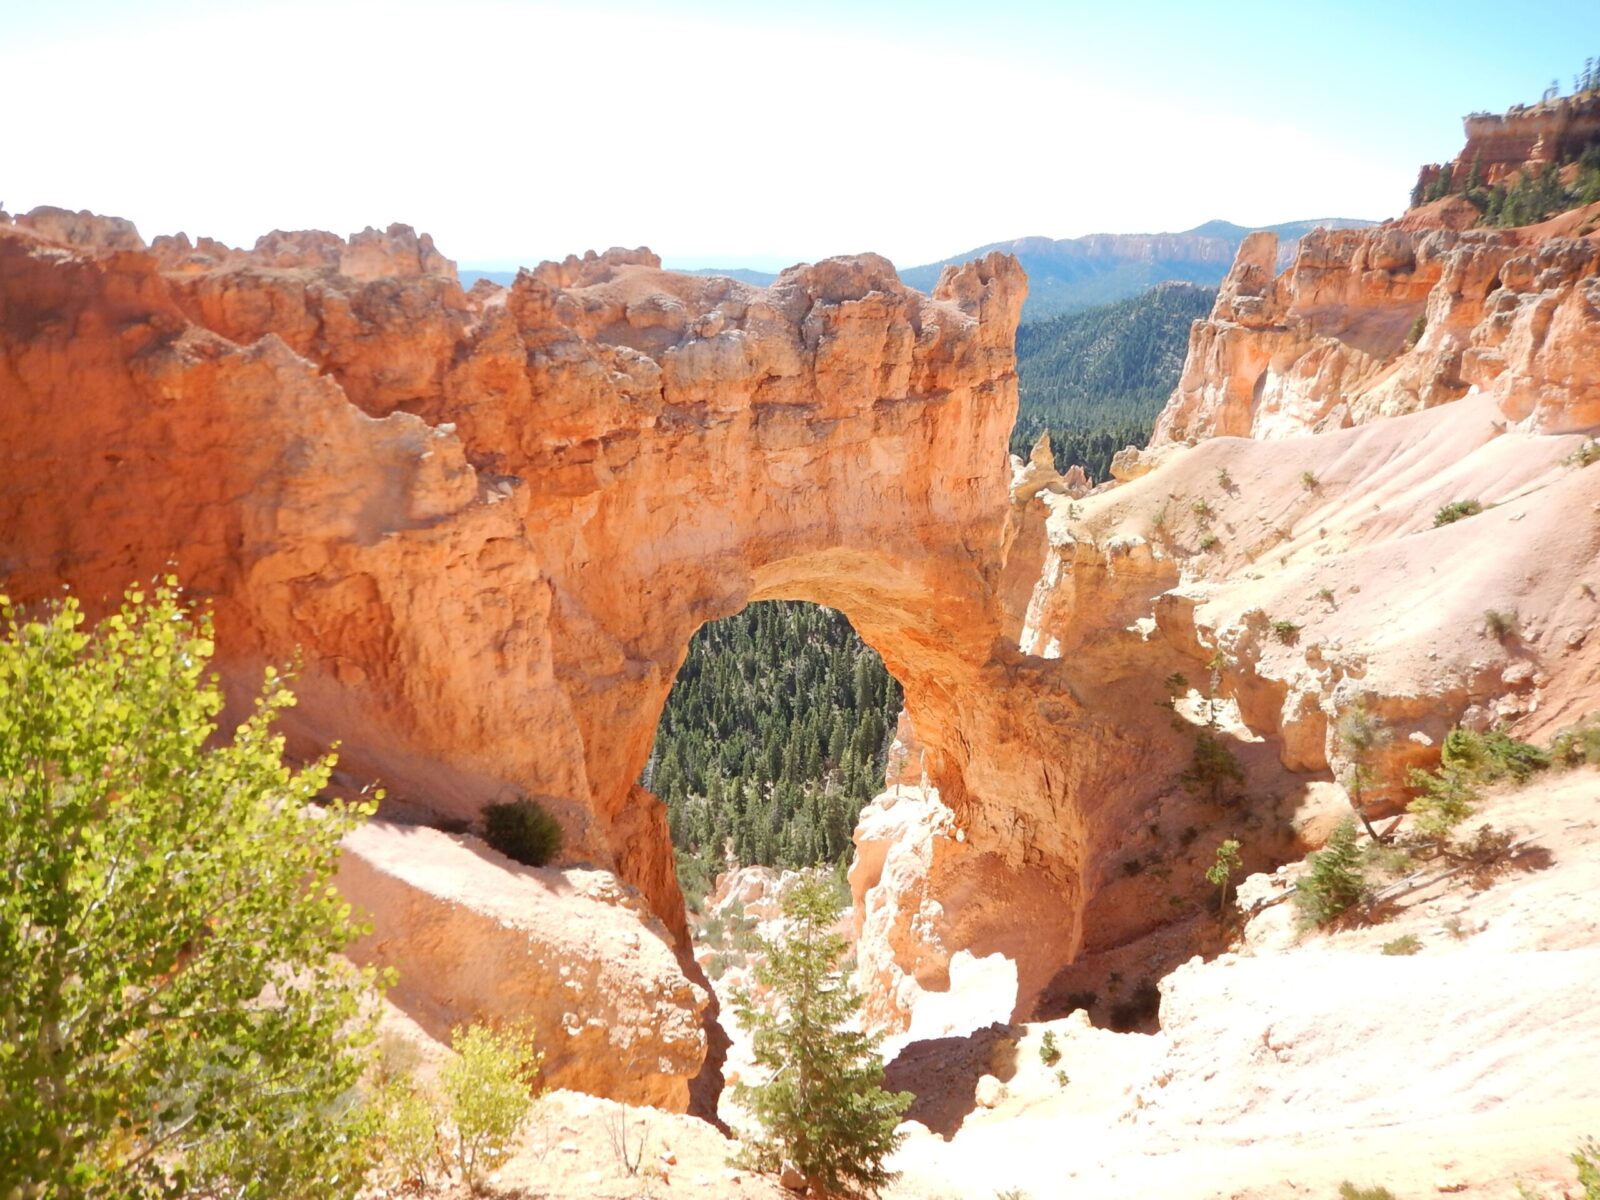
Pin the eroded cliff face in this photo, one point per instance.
(1380, 322)
(1276, 550)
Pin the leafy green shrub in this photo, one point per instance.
(1208, 543)
(1224, 479)
(1202, 510)
(1499, 624)
(1286, 631)
(1049, 1052)
(1492, 756)
(1349, 1191)
(408, 1133)
(1585, 455)
(160, 880)
(489, 1094)
(1406, 944)
(1212, 768)
(1418, 328)
(1336, 880)
(1309, 481)
(1587, 1159)
(1455, 511)
(1577, 744)
(1062, 1079)
(822, 1104)
(522, 831)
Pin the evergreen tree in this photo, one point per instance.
(1336, 881)
(822, 1105)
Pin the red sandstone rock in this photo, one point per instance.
(1528, 137)
(488, 526)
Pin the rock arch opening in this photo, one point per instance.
(776, 733)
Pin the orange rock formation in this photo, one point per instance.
(489, 524)
(1528, 136)
(1379, 322)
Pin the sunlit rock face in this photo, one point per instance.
(486, 525)
(1379, 322)
(1272, 558)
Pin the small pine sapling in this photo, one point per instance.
(1336, 881)
(822, 1102)
(1221, 872)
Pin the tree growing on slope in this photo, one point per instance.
(1336, 880)
(1361, 736)
(1221, 871)
(175, 1017)
(823, 1104)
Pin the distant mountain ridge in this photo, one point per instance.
(470, 276)
(1072, 274)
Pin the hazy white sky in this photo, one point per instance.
(728, 133)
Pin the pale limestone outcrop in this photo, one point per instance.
(1295, 575)
(474, 936)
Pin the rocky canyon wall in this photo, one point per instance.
(1276, 550)
(1381, 322)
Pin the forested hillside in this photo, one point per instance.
(774, 737)
(1096, 379)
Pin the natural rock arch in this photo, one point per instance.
(490, 523)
